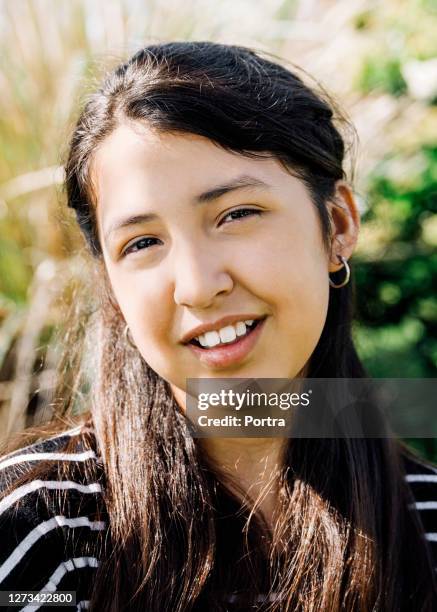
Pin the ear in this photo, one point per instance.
(345, 224)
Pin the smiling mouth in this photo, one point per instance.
(238, 339)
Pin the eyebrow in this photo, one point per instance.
(242, 182)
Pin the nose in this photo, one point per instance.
(200, 275)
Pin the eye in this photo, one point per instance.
(143, 240)
(243, 212)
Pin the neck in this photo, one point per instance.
(254, 464)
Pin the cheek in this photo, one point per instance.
(295, 284)
(292, 267)
(150, 325)
(142, 305)
(301, 296)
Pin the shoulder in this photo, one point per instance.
(51, 514)
(421, 478)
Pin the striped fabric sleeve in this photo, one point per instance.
(421, 476)
(47, 546)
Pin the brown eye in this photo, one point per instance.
(141, 241)
(243, 212)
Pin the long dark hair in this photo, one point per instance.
(179, 540)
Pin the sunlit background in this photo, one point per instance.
(378, 59)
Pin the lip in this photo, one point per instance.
(228, 354)
(215, 325)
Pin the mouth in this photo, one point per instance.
(228, 353)
(249, 328)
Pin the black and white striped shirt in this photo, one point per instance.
(43, 549)
(44, 546)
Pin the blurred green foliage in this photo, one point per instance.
(397, 303)
(382, 74)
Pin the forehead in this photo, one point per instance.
(136, 157)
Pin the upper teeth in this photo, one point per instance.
(225, 334)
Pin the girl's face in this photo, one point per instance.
(192, 233)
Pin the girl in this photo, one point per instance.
(209, 184)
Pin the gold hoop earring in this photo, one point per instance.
(347, 277)
(128, 337)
